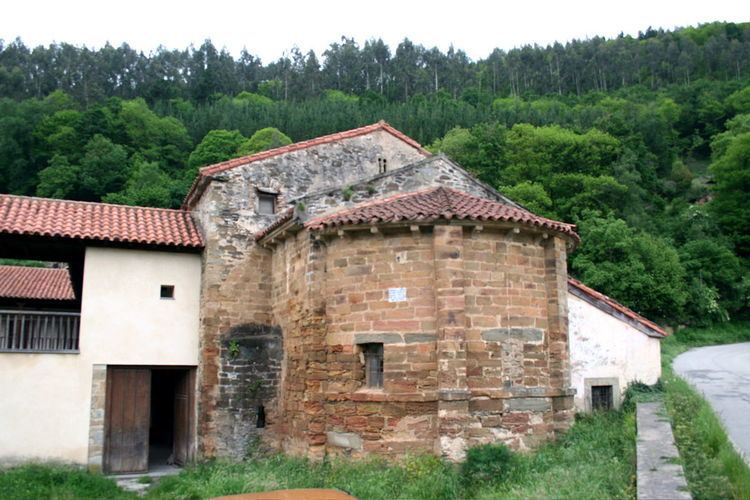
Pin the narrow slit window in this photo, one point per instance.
(373, 354)
(266, 203)
(382, 165)
(167, 292)
(601, 397)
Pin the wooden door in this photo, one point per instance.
(184, 405)
(128, 408)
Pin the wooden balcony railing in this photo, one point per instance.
(39, 331)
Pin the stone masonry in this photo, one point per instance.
(475, 351)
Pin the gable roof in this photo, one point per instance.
(78, 220)
(205, 173)
(614, 308)
(435, 204)
(35, 283)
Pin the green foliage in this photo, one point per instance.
(234, 349)
(487, 463)
(262, 140)
(716, 277)
(57, 481)
(595, 459)
(635, 268)
(732, 175)
(740, 101)
(253, 99)
(216, 146)
(147, 186)
(531, 195)
(59, 180)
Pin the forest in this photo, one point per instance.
(643, 141)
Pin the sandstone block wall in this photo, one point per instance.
(475, 353)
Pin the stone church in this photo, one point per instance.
(347, 295)
(361, 295)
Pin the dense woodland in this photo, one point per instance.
(644, 142)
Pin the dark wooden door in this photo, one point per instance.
(183, 417)
(128, 408)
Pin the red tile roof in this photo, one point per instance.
(433, 204)
(616, 306)
(97, 222)
(35, 283)
(203, 176)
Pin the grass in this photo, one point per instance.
(60, 482)
(712, 466)
(594, 460)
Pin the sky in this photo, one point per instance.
(269, 28)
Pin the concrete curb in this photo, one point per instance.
(659, 475)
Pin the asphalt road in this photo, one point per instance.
(722, 374)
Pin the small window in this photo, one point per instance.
(266, 203)
(382, 165)
(373, 364)
(260, 420)
(601, 397)
(167, 291)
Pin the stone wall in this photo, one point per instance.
(431, 172)
(475, 352)
(236, 278)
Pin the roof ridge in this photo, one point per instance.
(371, 203)
(202, 178)
(95, 203)
(435, 203)
(627, 311)
(315, 141)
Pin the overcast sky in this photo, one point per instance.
(268, 28)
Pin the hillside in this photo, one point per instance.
(642, 141)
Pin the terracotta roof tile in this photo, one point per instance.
(35, 283)
(200, 182)
(284, 217)
(627, 312)
(433, 204)
(97, 222)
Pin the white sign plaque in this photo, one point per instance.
(397, 295)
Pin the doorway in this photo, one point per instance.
(149, 418)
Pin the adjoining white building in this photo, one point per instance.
(72, 340)
(611, 347)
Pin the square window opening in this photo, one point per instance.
(167, 292)
(373, 354)
(601, 397)
(266, 203)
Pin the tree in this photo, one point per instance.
(216, 146)
(59, 180)
(635, 268)
(717, 283)
(104, 168)
(263, 139)
(147, 186)
(531, 195)
(730, 206)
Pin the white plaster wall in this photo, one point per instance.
(45, 407)
(602, 346)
